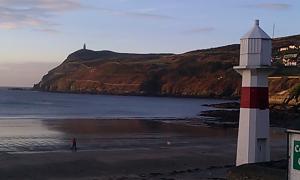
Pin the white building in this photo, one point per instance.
(293, 47)
(283, 49)
(290, 60)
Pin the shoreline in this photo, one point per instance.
(139, 95)
(52, 135)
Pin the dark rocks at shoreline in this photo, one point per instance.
(284, 117)
(19, 89)
(228, 105)
(226, 115)
(222, 118)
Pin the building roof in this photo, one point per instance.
(256, 33)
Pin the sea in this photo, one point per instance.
(38, 122)
(26, 104)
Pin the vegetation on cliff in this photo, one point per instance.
(294, 94)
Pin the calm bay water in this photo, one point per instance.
(32, 104)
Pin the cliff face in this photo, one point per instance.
(198, 73)
(202, 73)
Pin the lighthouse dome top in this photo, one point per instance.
(256, 33)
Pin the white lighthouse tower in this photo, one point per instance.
(255, 66)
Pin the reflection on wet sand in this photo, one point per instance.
(24, 128)
(26, 135)
(92, 134)
(115, 127)
(135, 134)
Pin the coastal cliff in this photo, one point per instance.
(201, 73)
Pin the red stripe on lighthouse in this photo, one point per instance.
(255, 97)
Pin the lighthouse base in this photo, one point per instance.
(253, 136)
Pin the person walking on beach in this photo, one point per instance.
(74, 145)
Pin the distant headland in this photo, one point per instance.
(200, 73)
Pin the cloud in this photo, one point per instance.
(141, 13)
(47, 30)
(271, 6)
(37, 14)
(47, 5)
(199, 30)
(146, 15)
(16, 14)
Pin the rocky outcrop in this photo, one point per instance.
(280, 89)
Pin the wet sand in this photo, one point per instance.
(116, 164)
(120, 149)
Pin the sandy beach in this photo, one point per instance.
(122, 149)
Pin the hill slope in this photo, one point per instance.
(201, 73)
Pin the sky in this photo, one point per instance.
(38, 35)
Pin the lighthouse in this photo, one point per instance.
(255, 66)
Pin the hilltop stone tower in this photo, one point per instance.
(255, 66)
(84, 46)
